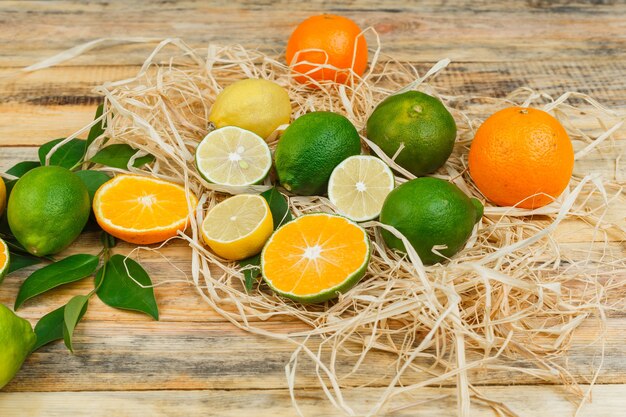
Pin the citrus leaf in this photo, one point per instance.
(22, 168)
(278, 206)
(74, 310)
(97, 129)
(117, 287)
(92, 180)
(19, 261)
(50, 327)
(251, 271)
(70, 269)
(118, 155)
(67, 156)
(107, 240)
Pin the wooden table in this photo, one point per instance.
(192, 362)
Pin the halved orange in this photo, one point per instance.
(142, 210)
(4, 259)
(315, 257)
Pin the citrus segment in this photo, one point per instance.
(238, 227)
(521, 156)
(359, 185)
(234, 157)
(4, 260)
(315, 257)
(142, 210)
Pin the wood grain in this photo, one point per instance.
(194, 363)
(416, 31)
(527, 401)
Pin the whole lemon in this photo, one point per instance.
(254, 104)
(17, 339)
(47, 210)
(430, 212)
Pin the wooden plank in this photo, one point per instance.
(423, 31)
(118, 355)
(527, 401)
(56, 102)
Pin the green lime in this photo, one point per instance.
(421, 123)
(47, 210)
(311, 147)
(17, 339)
(430, 212)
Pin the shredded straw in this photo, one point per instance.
(509, 303)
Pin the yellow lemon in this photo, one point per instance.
(238, 227)
(257, 105)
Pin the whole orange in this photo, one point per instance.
(327, 39)
(521, 156)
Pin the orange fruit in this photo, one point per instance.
(315, 257)
(142, 210)
(521, 157)
(331, 40)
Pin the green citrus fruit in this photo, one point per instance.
(421, 123)
(17, 339)
(48, 209)
(311, 147)
(430, 212)
(253, 104)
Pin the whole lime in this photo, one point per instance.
(254, 104)
(47, 210)
(430, 212)
(311, 147)
(420, 123)
(17, 339)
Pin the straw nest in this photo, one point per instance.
(509, 302)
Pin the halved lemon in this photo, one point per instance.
(315, 257)
(359, 185)
(238, 227)
(234, 157)
(5, 259)
(142, 210)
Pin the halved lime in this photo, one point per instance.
(4, 259)
(359, 185)
(233, 156)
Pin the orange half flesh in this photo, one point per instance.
(142, 210)
(314, 257)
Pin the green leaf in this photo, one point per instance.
(251, 269)
(107, 240)
(98, 128)
(22, 168)
(118, 155)
(92, 180)
(281, 215)
(67, 156)
(50, 327)
(118, 289)
(278, 206)
(74, 310)
(19, 261)
(70, 269)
